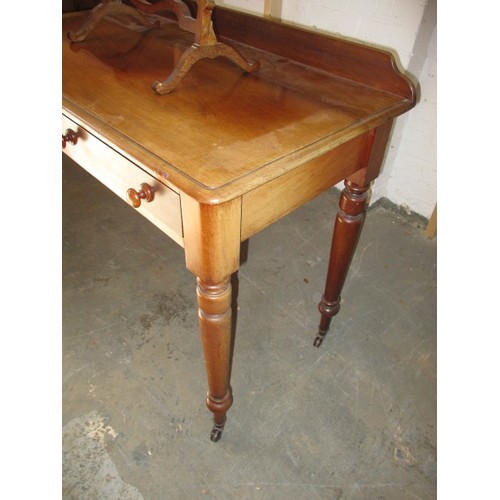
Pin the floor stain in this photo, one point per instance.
(88, 471)
(402, 453)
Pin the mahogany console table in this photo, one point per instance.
(227, 152)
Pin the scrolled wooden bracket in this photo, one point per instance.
(205, 46)
(192, 55)
(109, 8)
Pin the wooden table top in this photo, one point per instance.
(221, 132)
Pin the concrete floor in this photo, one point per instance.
(354, 419)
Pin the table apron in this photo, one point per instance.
(269, 202)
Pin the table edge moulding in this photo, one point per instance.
(223, 151)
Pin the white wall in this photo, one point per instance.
(408, 29)
(410, 170)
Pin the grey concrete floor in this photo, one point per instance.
(353, 419)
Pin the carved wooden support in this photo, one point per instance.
(348, 224)
(205, 46)
(178, 7)
(109, 8)
(192, 55)
(214, 301)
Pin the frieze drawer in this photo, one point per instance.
(153, 199)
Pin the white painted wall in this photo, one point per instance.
(408, 29)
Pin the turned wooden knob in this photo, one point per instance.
(69, 136)
(145, 193)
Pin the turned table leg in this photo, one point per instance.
(212, 250)
(214, 301)
(346, 232)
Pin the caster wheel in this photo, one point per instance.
(216, 433)
(318, 340)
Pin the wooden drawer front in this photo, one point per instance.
(119, 174)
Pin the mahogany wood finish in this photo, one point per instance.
(69, 136)
(107, 8)
(346, 232)
(348, 224)
(205, 43)
(230, 152)
(135, 197)
(214, 302)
